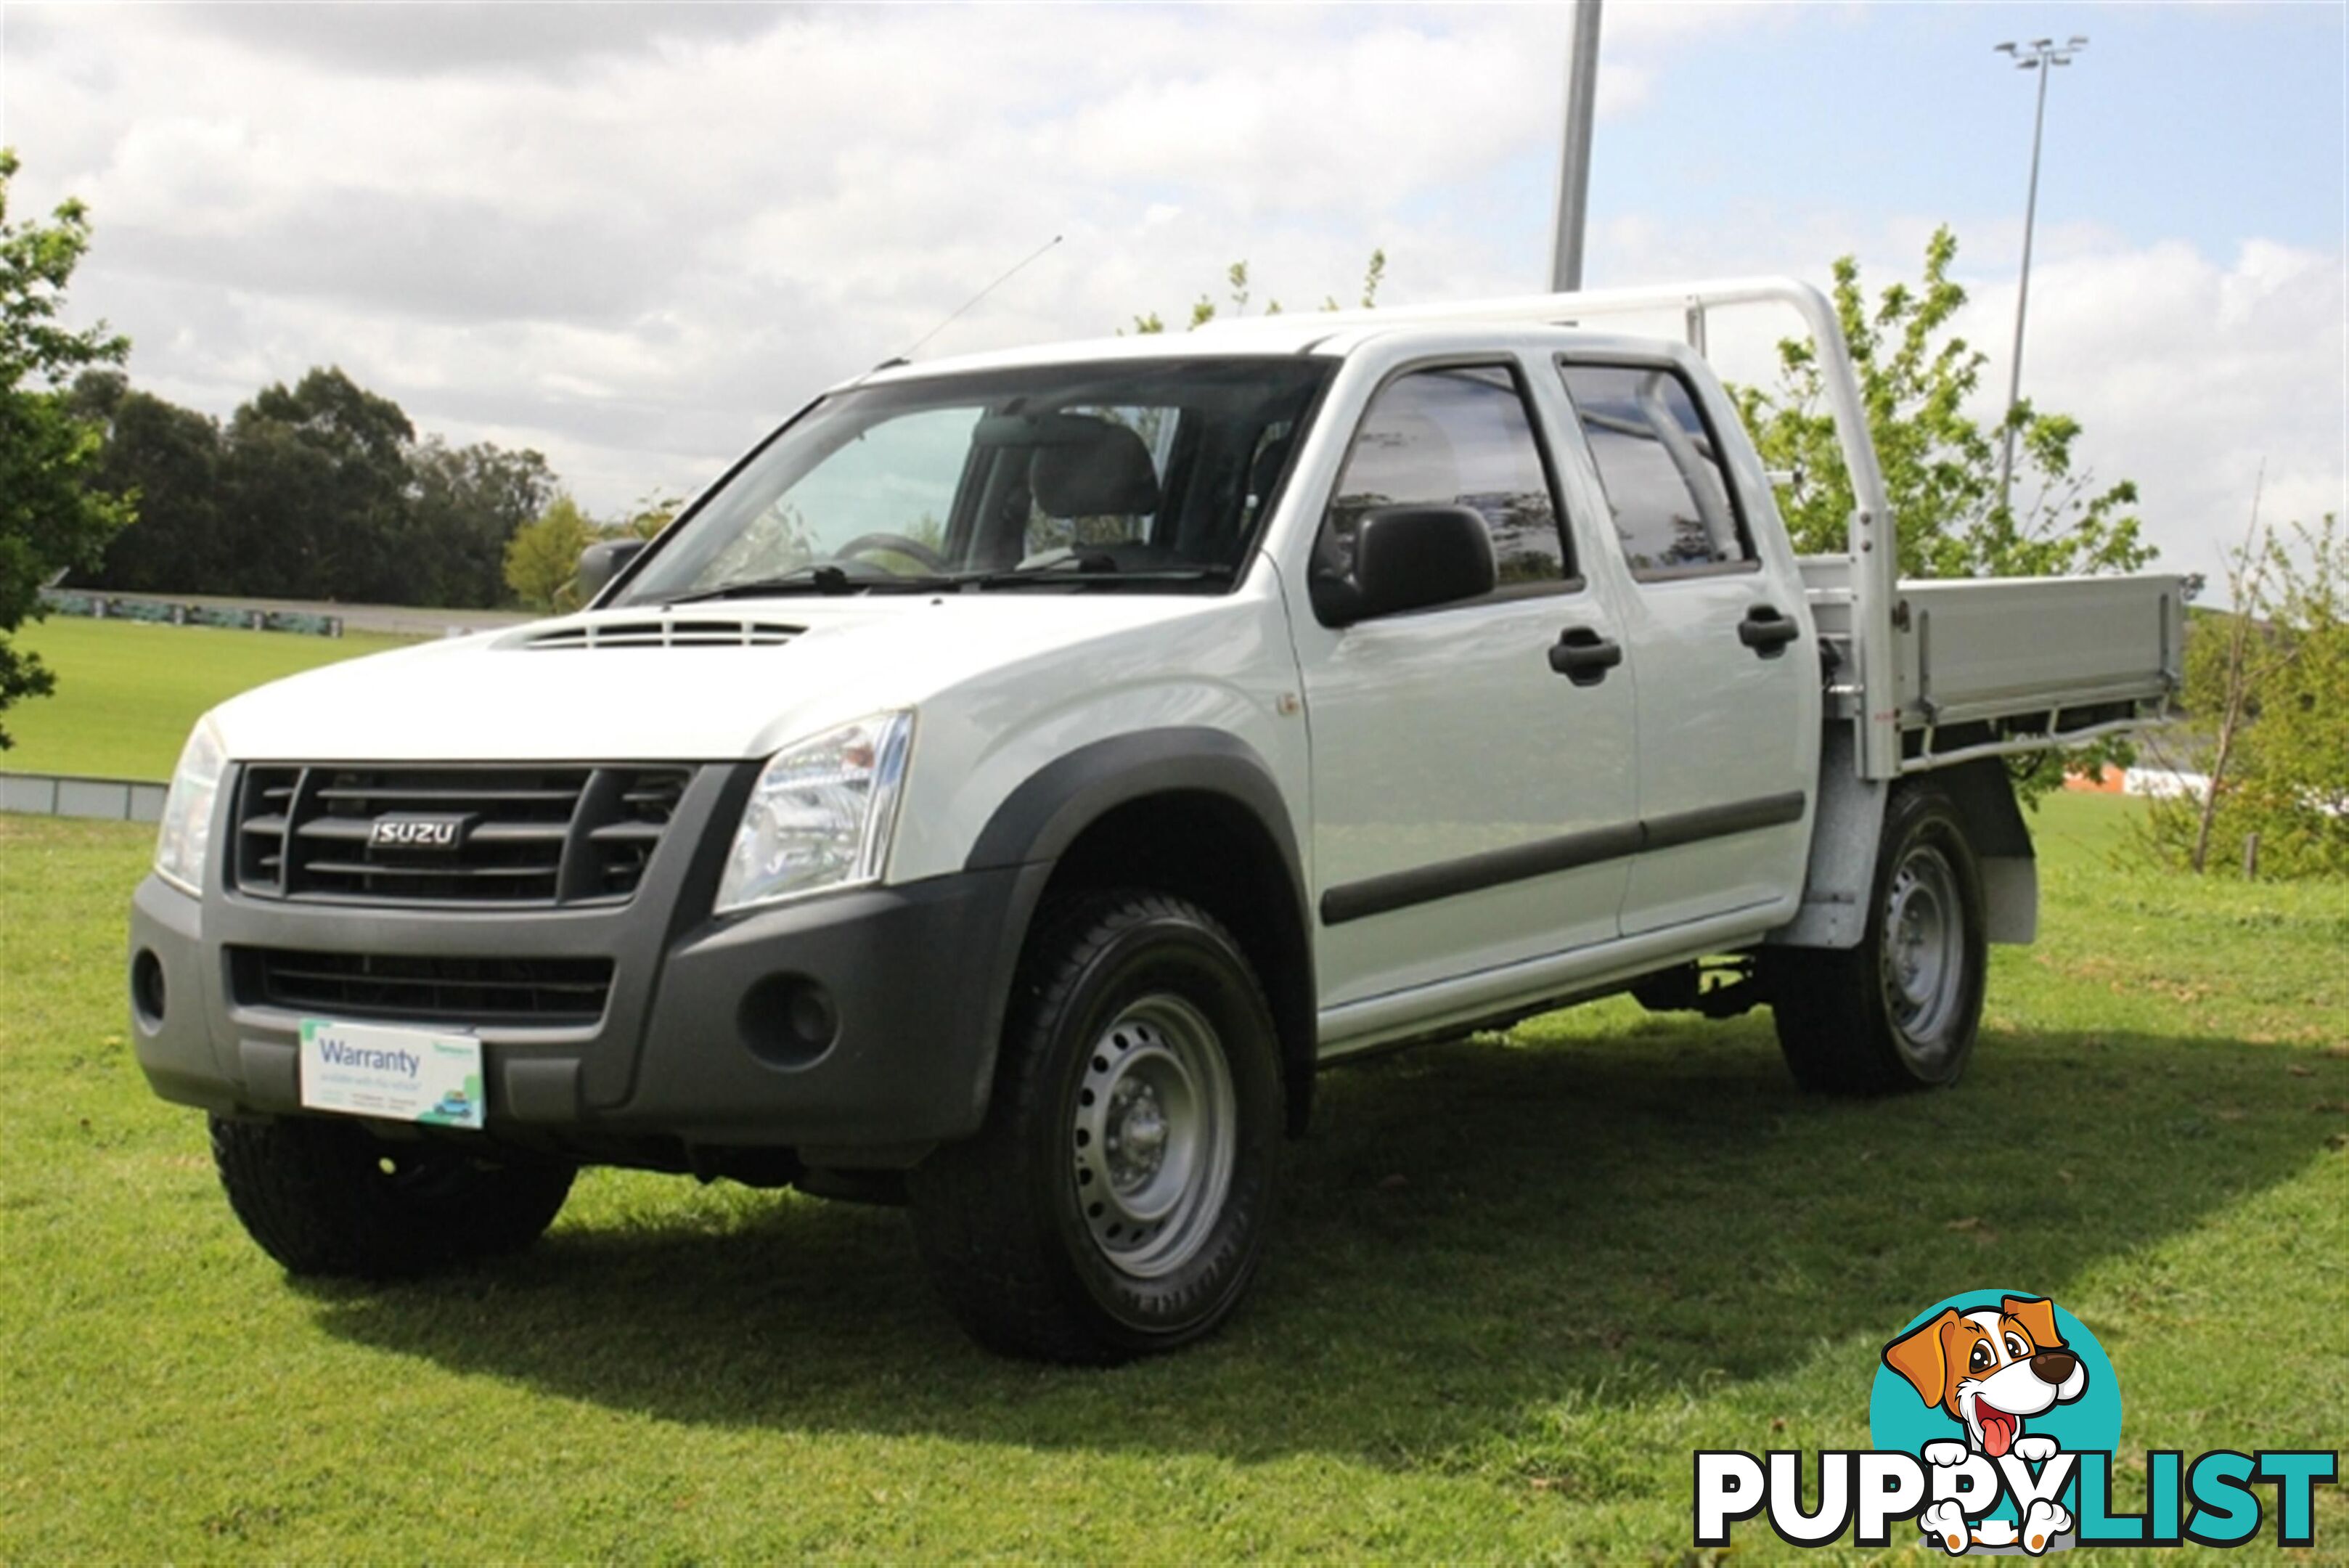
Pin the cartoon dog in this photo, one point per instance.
(1988, 1370)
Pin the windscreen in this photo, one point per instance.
(1141, 475)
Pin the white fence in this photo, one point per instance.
(2165, 784)
(71, 794)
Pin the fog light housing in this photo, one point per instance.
(788, 1020)
(146, 992)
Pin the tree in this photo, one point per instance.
(320, 491)
(166, 461)
(315, 489)
(465, 504)
(2267, 703)
(2247, 661)
(1941, 467)
(50, 520)
(653, 513)
(544, 556)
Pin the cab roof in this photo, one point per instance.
(1271, 335)
(1306, 332)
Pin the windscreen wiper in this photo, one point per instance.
(819, 579)
(1095, 577)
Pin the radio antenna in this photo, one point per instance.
(1019, 267)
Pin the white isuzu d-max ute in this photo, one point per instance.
(1004, 787)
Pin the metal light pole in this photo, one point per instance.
(2041, 55)
(1574, 159)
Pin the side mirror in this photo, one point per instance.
(1405, 558)
(599, 564)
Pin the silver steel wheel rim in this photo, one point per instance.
(1154, 1135)
(1924, 951)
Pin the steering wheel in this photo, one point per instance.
(893, 544)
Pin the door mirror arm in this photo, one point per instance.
(600, 563)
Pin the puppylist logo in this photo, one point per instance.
(1993, 1420)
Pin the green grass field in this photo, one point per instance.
(128, 692)
(1518, 1280)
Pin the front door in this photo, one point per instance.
(1473, 786)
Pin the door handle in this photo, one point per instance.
(1584, 657)
(1766, 631)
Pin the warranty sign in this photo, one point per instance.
(393, 1075)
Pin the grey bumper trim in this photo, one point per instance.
(915, 977)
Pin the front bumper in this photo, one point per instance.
(700, 1046)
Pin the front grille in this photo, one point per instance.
(544, 991)
(525, 836)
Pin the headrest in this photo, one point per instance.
(1106, 474)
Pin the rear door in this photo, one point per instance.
(1728, 693)
(1472, 794)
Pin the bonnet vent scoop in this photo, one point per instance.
(663, 633)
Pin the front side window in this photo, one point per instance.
(1660, 468)
(1141, 474)
(1457, 436)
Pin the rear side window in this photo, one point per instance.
(1459, 436)
(1673, 508)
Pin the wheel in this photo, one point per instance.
(329, 1198)
(1116, 1201)
(893, 544)
(1900, 1011)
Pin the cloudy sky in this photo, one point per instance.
(636, 237)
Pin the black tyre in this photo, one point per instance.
(1900, 1011)
(1117, 1199)
(329, 1198)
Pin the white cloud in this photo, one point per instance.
(2189, 374)
(635, 241)
(634, 238)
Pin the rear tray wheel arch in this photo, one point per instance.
(1902, 1009)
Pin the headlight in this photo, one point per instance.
(185, 840)
(821, 814)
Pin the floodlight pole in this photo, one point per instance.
(2043, 55)
(1574, 159)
